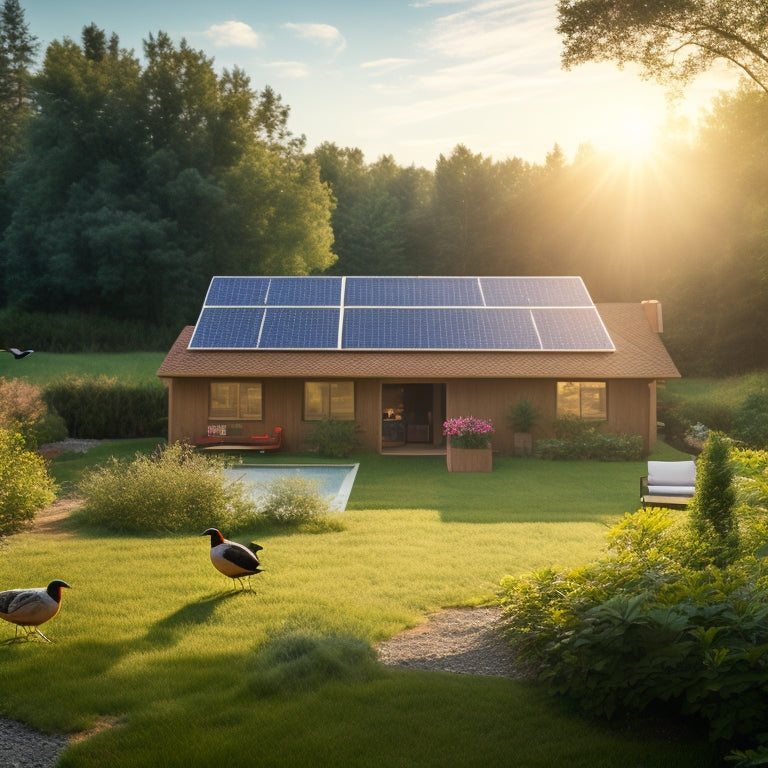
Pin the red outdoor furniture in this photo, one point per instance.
(259, 443)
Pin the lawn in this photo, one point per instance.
(43, 367)
(154, 644)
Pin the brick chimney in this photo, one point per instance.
(653, 313)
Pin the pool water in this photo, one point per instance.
(335, 480)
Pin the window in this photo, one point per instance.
(235, 400)
(585, 399)
(329, 400)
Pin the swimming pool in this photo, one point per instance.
(336, 480)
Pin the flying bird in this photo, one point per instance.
(29, 608)
(232, 559)
(18, 353)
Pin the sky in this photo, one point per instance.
(407, 78)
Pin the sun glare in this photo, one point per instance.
(633, 136)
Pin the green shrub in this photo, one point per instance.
(23, 410)
(25, 485)
(576, 439)
(523, 415)
(648, 627)
(102, 407)
(49, 429)
(751, 420)
(712, 505)
(298, 661)
(293, 499)
(175, 490)
(333, 438)
(708, 657)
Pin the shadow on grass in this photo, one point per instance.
(167, 631)
(518, 490)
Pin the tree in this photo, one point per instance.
(17, 54)
(279, 215)
(672, 40)
(466, 212)
(373, 212)
(712, 514)
(141, 182)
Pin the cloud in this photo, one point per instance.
(483, 57)
(233, 34)
(292, 69)
(323, 34)
(491, 27)
(385, 66)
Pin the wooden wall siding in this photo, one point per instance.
(368, 413)
(631, 408)
(491, 398)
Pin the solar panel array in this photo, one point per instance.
(400, 313)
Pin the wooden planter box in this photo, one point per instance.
(469, 459)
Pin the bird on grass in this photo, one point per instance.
(232, 559)
(29, 608)
(18, 353)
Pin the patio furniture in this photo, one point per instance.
(668, 483)
(261, 443)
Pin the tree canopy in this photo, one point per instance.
(138, 183)
(672, 40)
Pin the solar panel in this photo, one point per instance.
(227, 328)
(237, 292)
(412, 292)
(304, 292)
(535, 292)
(400, 313)
(439, 328)
(571, 329)
(300, 328)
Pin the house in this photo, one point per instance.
(399, 355)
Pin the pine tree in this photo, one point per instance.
(17, 54)
(712, 517)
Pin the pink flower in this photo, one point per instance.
(468, 432)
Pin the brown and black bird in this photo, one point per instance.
(29, 608)
(232, 559)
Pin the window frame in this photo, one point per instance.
(584, 387)
(237, 403)
(322, 401)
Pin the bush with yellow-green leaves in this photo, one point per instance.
(25, 485)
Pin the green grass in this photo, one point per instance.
(43, 367)
(152, 640)
(732, 388)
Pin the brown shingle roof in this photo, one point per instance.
(639, 353)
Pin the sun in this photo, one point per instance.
(633, 135)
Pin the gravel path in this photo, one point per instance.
(463, 640)
(24, 747)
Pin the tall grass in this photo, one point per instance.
(153, 641)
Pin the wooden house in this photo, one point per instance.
(399, 355)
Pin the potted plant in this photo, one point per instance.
(523, 416)
(469, 444)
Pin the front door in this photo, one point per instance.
(412, 413)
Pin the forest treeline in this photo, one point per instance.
(127, 183)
